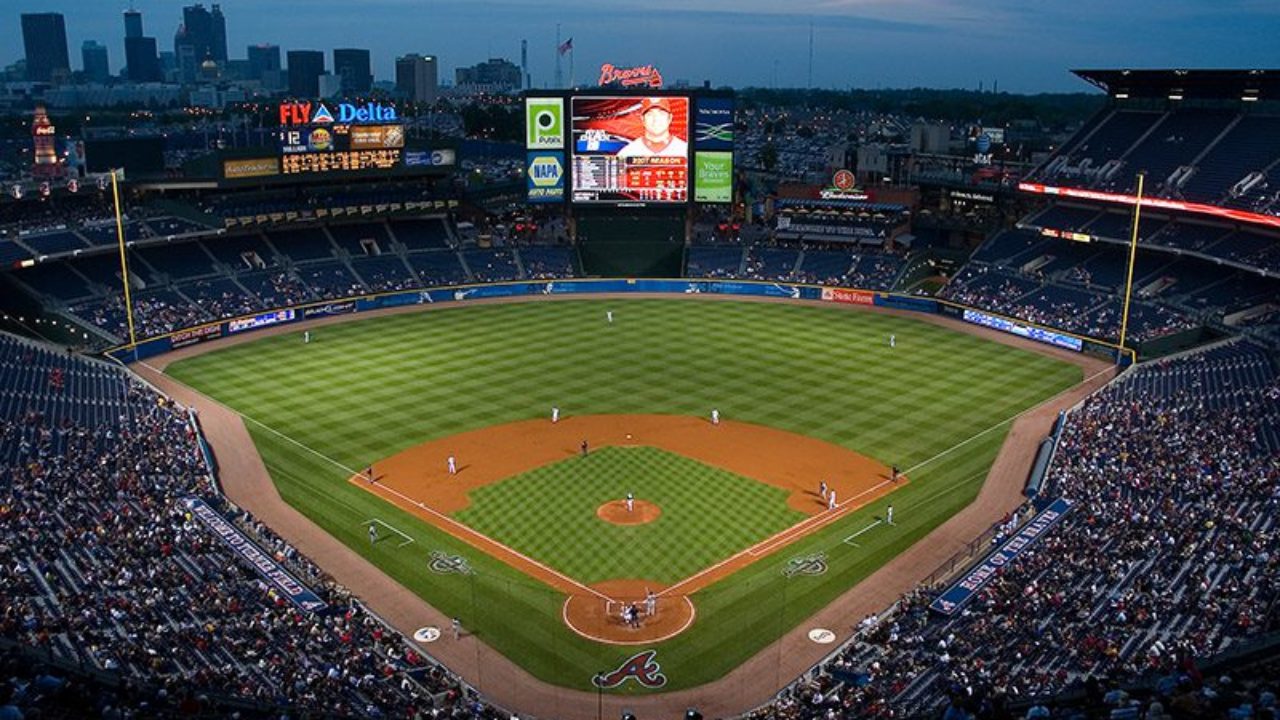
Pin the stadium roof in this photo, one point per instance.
(1188, 84)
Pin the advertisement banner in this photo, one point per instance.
(852, 297)
(338, 308)
(984, 572)
(544, 123)
(1023, 330)
(713, 177)
(255, 167)
(713, 124)
(263, 320)
(370, 137)
(248, 551)
(191, 336)
(544, 177)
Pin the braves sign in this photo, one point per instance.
(642, 76)
(640, 667)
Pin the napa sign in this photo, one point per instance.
(309, 113)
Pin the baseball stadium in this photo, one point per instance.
(319, 424)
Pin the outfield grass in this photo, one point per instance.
(365, 390)
(707, 515)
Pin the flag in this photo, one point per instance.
(566, 46)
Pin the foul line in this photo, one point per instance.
(998, 425)
(389, 526)
(846, 540)
(463, 530)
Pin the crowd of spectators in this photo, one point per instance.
(1170, 555)
(104, 568)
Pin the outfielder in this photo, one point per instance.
(373, 533)
(453, 466)
(893, 341)
(888, 515)
(715, 416)
(609, 316)
(555, 414)
(306, 336)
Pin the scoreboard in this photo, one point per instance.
(317, 139)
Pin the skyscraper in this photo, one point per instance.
(263, 59)
(305, 69)
(218, 37)
(352, 64)
(194, 41)
(132, 23)
(96, 66)
(416, 77)
(44, 37)
(140, 52)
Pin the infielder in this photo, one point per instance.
(822, 489)
(831, 500)
(715, 416)
(555, 414)
(631, 502)
(368, 473)
(453, 466)
(650, 603)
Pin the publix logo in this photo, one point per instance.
(309, 113)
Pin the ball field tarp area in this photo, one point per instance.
(397, 391)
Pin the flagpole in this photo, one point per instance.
(570, 66)
(559, 72)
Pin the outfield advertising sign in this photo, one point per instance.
(544, 123)
(713, 124)
(713, 177)
(544, 177)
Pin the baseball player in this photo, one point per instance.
(368, 473)
(453, 466)
(609, 315)
(715, 416)
(631, 502)
(373, 533)
(893, 341)
(893, 477)
(555, 414)
(822, 489)
(888, 515)
(584, 447)
(650, 603)
(457, 629)
(831, 500)
(306, 336)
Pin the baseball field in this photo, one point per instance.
(530, 544)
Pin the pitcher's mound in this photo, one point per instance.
(615, 511)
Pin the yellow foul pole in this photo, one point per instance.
(1133, 253)
(124, 262)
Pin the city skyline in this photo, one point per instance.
(858, 43)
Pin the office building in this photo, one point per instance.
(44, 37)
(416, 77)
(94, 58)
(352, 65)
(305, 69)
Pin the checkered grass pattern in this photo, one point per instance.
(708, 514)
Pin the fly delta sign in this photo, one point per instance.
(309, 113)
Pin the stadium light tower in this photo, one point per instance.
(124, 262)
(1133, 253)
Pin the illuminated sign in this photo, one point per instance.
(641, 76)
(44, 130)
(843, 180)
(713, 177)
(309, 113)
(321, 162)
(544, 123)
(256, 167)
(372, 137)
(713, 124)
(1066, 235)
(257, 321)
(1025, 330)
(630, 149)
(545, 171)
(1149, 202)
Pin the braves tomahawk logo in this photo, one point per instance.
(640, 667)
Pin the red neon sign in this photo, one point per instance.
(645, 75)
(1149, 202)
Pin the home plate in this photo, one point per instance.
(431, 633)
(822, 636)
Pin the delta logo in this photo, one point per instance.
(309, 113)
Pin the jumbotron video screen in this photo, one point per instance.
(630, 149)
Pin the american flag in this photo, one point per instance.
(566, 46)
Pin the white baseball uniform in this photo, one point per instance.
(555, 414)
(609, 314)
(715, 417)
(831, 500)
(631, 502)
(453, 466)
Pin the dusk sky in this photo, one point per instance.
(1026, 45)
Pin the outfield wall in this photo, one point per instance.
(586, 287)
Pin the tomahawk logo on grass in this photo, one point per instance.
(640, 667)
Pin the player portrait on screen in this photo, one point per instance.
(657, 140)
